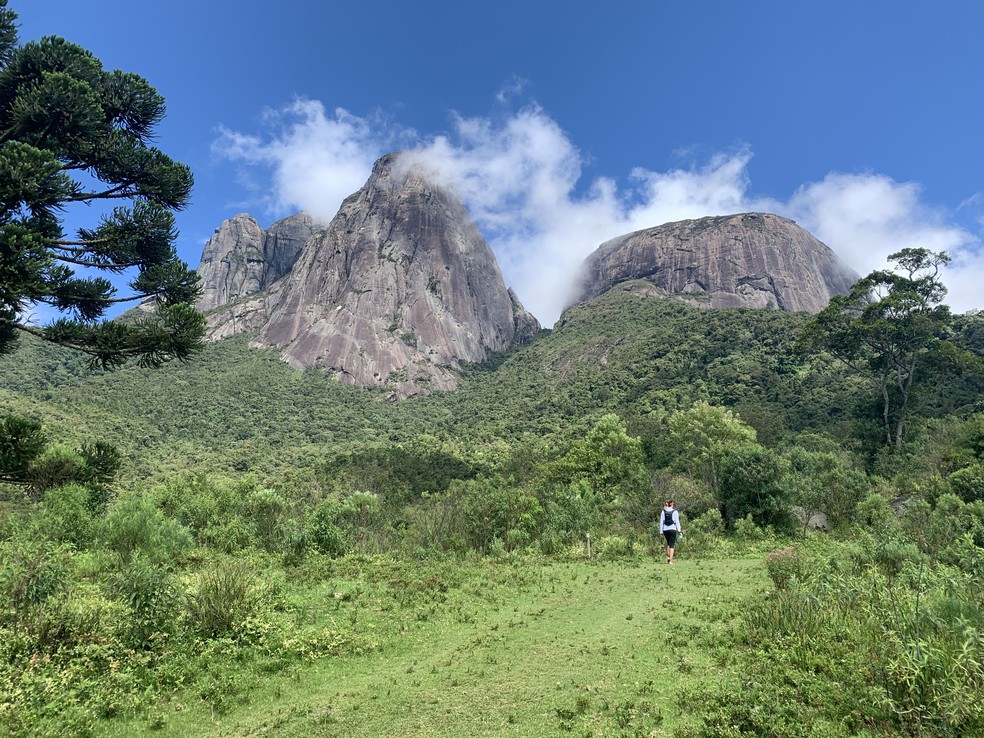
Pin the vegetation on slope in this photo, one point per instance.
(265, 523)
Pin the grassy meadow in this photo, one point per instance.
(516, 647)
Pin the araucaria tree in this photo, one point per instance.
(74, 134)
(887, 329)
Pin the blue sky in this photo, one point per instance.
(565, 124)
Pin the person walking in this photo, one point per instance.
(669, 526)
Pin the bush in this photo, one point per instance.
(892, 556)
(710, 523)
(361, 515)
(752, 485)
(223, 597)
(492, 507)
(967, 483)
(154, 600)
(217, 511)
(747, 531)
(552, 542)
(65, 516)
(786, 565)
(33, 572)
(323, 532)
(613, 547)
(133, 524)
(267, 510)
(570, 509)
(874, 512)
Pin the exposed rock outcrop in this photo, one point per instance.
(241, 259)
(755, 260)
(397, 290)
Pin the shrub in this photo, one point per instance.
(613, 547)
(32, 573)
(516, 539)
(935, 681)
(710, 523)
(267, 510)
(570, 509)
(133, 524)
(322, 530)
(891, 556)
(752, 485)
(56, 466)
(65, 516)
(154, 600)
(874, 512)
(967, 483)
(215, 510)
(361, 516)
(492, 507)
(786, 565)
(223, 597)
(552, 542)
(747, 531)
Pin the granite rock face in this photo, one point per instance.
(241, 259)
(755, 260)
(397, 290)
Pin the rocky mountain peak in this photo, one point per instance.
(397, 290)
(756, 260)
(241, 259)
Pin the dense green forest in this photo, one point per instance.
(236, 472)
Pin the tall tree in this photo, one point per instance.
(886, 329)
(72, 133)
(701, 435)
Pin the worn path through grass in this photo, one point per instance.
(574, 648)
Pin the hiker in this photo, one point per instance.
(669, 526)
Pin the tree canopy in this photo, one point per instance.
(74, 134)
(887, 328)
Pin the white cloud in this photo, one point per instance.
(867, 217)
(313, 160)
(520, 177)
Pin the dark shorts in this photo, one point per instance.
(670, 536)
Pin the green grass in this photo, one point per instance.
(486, 648)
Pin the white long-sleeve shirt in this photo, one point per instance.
(662, 520)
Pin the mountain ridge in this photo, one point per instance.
(400, 289)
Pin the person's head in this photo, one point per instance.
(669, 503)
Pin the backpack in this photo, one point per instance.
(667, 518)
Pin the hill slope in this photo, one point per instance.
(239, 409)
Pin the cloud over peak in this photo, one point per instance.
(520, 178)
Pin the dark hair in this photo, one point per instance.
(669, 502)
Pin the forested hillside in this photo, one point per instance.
(240, 409)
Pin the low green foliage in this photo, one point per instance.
(869, 638)
(133, 524)
(154, 598)
(222, 598)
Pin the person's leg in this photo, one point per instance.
(670, 536)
